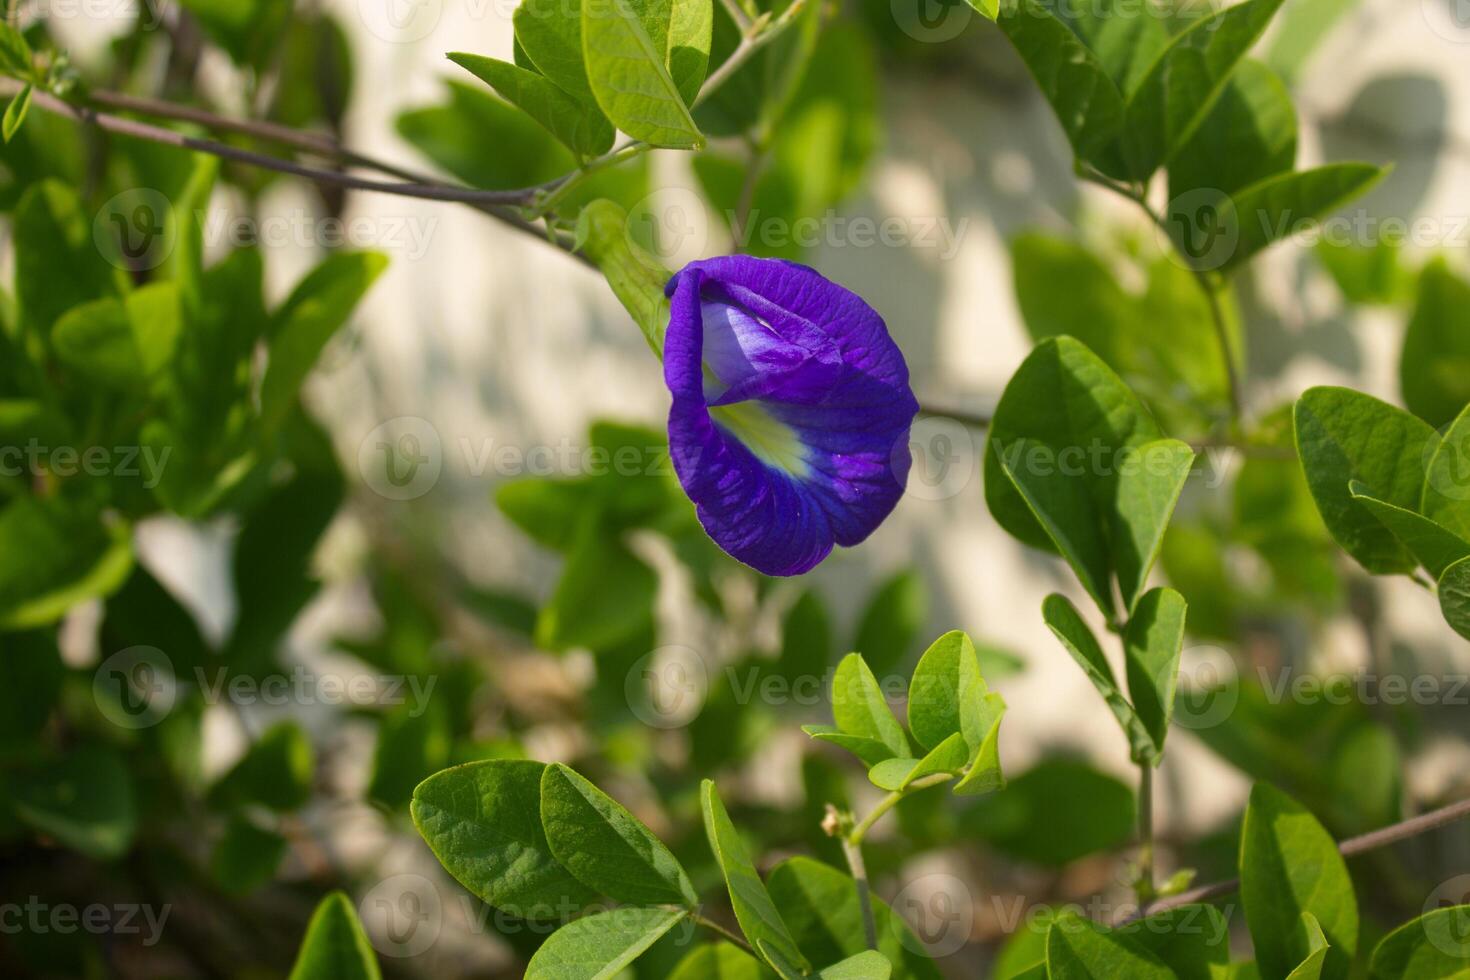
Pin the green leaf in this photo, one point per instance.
(981, 712)
(1068, 626)
(1434, 369)
(1342, 436)
(860, 708)
(249, 30)
(1454, 596)
(1432, 945)
(15, 54)
(1152, 644)
(580, 126)
(1057, 479)
(605, 847)
(55, 554)
(1317, 946)
(57, 262)
(820, 906)
(1192, 940)
(549, 32)
(947, 668)
(1148, 487)
(719, 961)
(246, 856)
(1433, 546)
(15, 112)
(891, 621)
(604, 596)
(275, 772)
(1249, 135)
(868, 965)
(870, 750)
(629, 69)
(335, 947)
(483, 141)
(599, 946)
(1276, 208)
(1179, 373)
(1178, 92)
(1303, 26)
(317, 308)
(1289, 865)
(122, 345)
(483, 823)
(1079, 949)
(1367, 274)
(85, 801)
(806, 640)
(1125, 40)
(1055, 813)
(1086, 101)
(637, 278)
(757, 914)
(949, 756)
(34, 672)
(989, 9)
(414, 741)
(1446, 498)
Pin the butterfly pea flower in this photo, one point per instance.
(791, 410)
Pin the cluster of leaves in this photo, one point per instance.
(542, 843)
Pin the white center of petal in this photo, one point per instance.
(772, 441)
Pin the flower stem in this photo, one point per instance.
(726, 934)
(853, 851)
(1145, 886)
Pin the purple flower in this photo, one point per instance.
(791, 410)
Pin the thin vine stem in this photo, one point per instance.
(726, 934)
(1146, 886)
(1207, 286)
(1351, 847)
(851, 836)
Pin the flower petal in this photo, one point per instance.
(791, 447)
